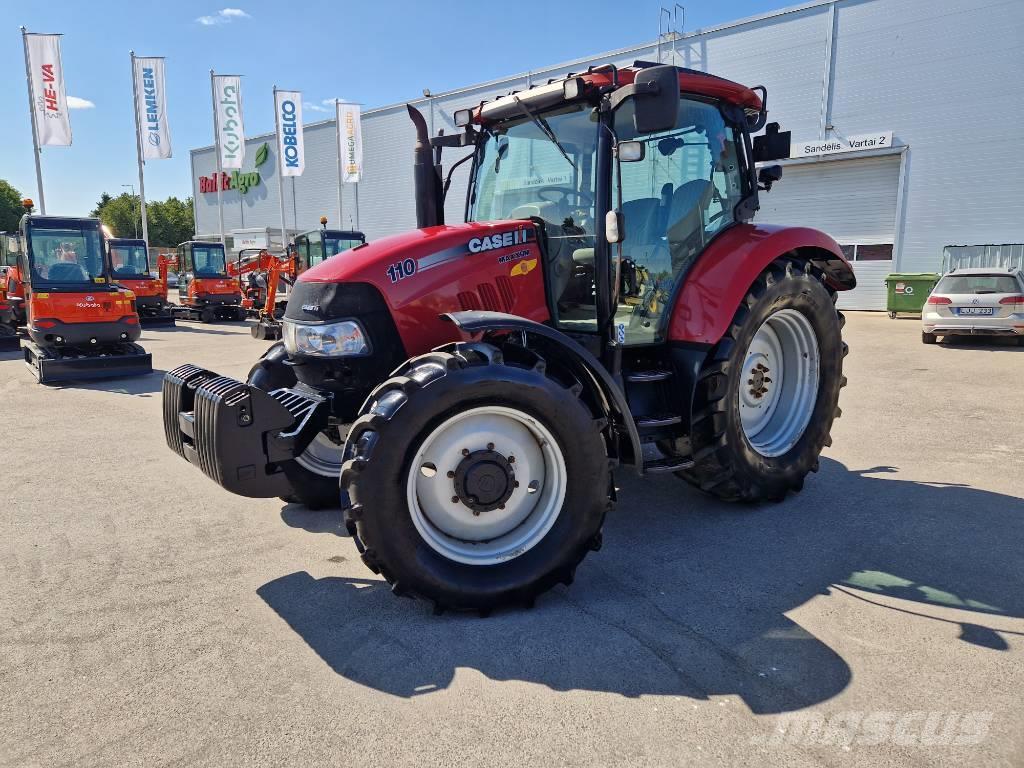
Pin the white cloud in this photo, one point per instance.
(223, 16)
(314, 107)
(76, 103)
(330, 102)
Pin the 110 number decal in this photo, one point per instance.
(401, 270)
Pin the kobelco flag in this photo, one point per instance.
(350, 142)
(151, 102)
(227, 100)
(288, 105)
(49, 101)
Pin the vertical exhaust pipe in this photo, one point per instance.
(426, 175)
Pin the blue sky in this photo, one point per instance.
(375, 53)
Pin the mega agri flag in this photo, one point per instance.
(288, 105)
(227, 99)
(50, 102)
(350, 142)
(152, 105)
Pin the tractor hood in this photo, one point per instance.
(423, 274)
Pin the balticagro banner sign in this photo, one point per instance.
(236, 180)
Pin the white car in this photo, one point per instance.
(975, 302)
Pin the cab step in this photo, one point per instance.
(658, 420)
(643, 377)
(667, 464)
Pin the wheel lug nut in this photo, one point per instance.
(515, 484)
(476, 513)
(750, 381)
(451, 473)
(490, 446)
(455, 499)
(465, 451)
(511, 459)
(501, 506)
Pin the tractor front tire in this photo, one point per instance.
(478, 478)
(314, 476)
(769, 390)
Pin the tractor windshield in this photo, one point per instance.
(129, 260)
(540, 166)
(65, 254)
(335, 244)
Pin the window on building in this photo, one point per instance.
(873, 252)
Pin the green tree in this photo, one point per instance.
(103, 202)
(170, 221)
(120, 214)
(10, 207)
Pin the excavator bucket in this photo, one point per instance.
(266, 329)
(52, 367)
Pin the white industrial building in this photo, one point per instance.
(930, 89)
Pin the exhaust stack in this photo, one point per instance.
(426, 175)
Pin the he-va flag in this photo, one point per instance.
(227, 96)
(289, 132)
(350, 142)
(50, 102)
(151, 101)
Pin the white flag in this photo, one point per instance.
(49, 100)
(350, 142)
(151, 101)
(288, 105)
(227, 95)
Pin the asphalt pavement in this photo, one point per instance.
(148, 617)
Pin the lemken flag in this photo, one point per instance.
(350, 142)
(49, 100)
(227, 96)
(152, 105)
(288, 105)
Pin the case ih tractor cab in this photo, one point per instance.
(608, 301)
(81, 324)
(206, 290)
(130, 262)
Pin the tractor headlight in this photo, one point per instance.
(344, 339)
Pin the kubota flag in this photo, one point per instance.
(49, 100)
(227, 97)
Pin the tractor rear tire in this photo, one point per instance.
(440, 505)
(789, 307)
(313, 489)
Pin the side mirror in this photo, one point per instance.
(769, 175)
(773, 145)
(614, 227)
(655, 93)
(631, 151)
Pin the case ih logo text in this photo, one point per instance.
(49, 92)
(501, 240)
(152, 110)
(291, 151)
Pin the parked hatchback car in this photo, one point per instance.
(975, 302)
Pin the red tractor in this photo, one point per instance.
(468, 389)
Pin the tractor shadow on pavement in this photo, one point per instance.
(689, 596)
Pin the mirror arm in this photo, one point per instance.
(619, 95)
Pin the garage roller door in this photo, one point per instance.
(853, 200)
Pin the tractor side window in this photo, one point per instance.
(674, 201)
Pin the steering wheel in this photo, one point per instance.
(564, 194)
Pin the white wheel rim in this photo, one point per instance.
(445, 521)
(322, 457)
(779, 382)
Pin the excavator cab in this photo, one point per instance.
(206, 290)
(131, 268)
(12, 303)
(81, 324)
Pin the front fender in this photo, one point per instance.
(722, 275)
(602, 387)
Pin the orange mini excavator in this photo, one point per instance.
(273, 268)
(130, 261)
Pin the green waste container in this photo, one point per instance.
(908, 291)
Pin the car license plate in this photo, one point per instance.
(975, 311)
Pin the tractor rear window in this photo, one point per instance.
(977, 284)
(65, 256)
(129, 260)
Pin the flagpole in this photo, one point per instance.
(337, 126)
(280, 172)
(357, 204)
(36, 150)
(138, 152)
(216, 149)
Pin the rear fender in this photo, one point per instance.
(621, 433)
(721, 277)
